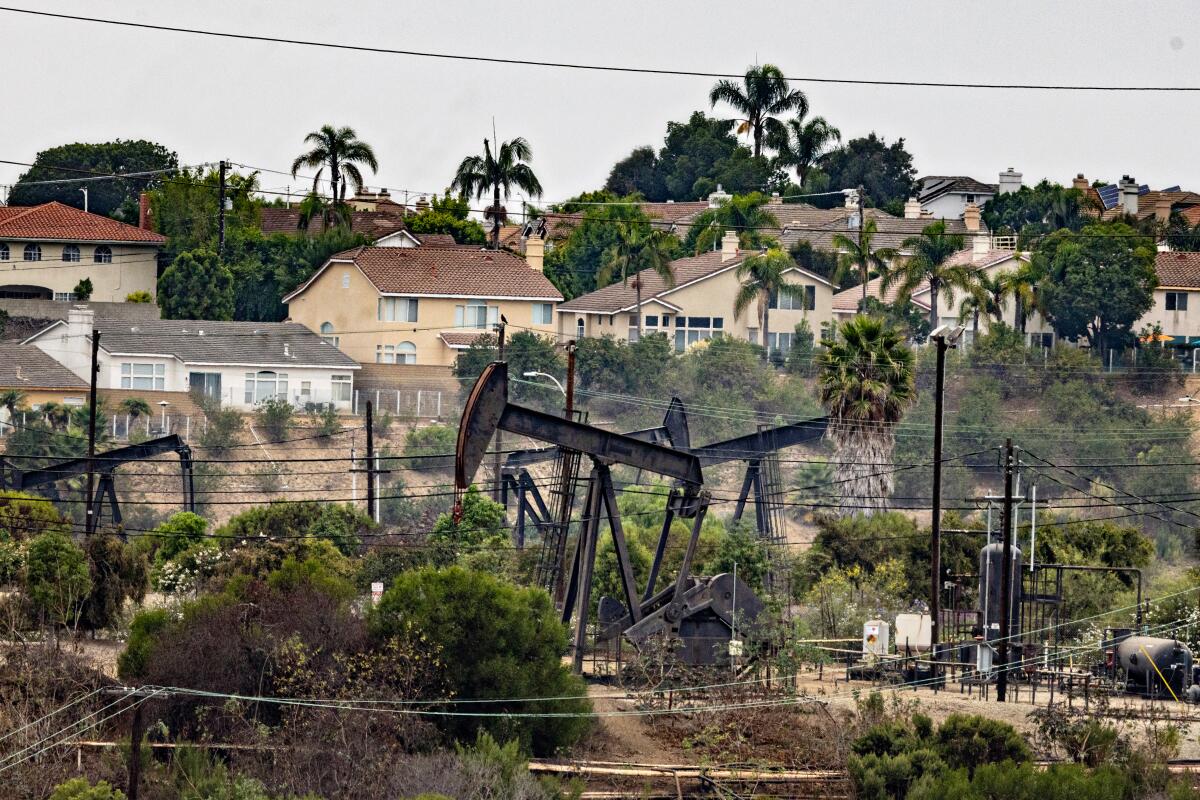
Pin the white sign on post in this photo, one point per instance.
(376, 592)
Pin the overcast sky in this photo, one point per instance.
(253, 102)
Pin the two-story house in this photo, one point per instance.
(1176, 300)
(46, 250)
(423, 305)
(698, 305)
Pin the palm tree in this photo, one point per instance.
(742, 213)
(639, 248)
(866, 382)
(930, 252)
(987, 294)
(1023, 286)
(341, 151)
(135, 407)
(763, 93)
(506, 168)
(762, 277)
(12, 399)
(857, 252)
(799, 143)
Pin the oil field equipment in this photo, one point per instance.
(1154, 667)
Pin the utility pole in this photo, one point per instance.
(1006, 572)
(499, 434)
(224, 165)
(137, 730)
(862, 223)
(370, 463)
(943, 338)
(570, 398)
(89, 525)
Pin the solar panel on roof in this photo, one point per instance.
(1109, 195)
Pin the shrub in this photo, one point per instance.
(432, 440)
(56, 578)
(118, 573)
(140, 296)
(82, 789)
(341, 524)
(221, 425)
(326, 420)
(181, 530)
(500, 642)
(274, 415)
(24, 516)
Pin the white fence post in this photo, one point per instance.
(418, 402)
(439, 405)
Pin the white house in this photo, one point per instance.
(947, 196)
(239, 363)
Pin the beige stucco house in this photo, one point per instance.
(46, 250)
(699, 305)
(423, 305)
(1177, 298)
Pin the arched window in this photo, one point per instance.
(579, 328)
(327, 333)
(264, 385)
(71, 253)
(406, 353)
(103, 254)
(4, 254)
(33, 252)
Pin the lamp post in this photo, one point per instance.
(557, 383)
(944, 338)
(163, 405)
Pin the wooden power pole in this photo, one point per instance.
(1006, 573)
(89, 523)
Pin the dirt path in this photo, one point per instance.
(623, 738)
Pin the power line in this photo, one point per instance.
(592, 67)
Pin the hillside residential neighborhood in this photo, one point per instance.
(452, 402)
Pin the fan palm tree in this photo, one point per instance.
(341, 151)
(857, 252)
(639, 248)
(135, 407)
(502, 170)
(799, 143)
(12, 400)
(931, 251)
(987, 294)
(866, 383)
(742, 213)
(763, 93)
(762, 277)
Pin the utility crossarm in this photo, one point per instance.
(761, 443)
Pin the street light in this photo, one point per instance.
(535, 374)
(163, 405)
(944, 337)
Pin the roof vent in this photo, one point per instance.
(135, 329)
(287, 351)
(200, 333)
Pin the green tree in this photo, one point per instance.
(638, 173)
(638, 247)
(12, 400)
(82, 789)
(761, 278)
(140, 296)
(342, 152)
(338, 523)
(524, 352)
(448, 215)
(1032, 211)
(196, 286)
(482, 520)
(572, 265)
(929, 263)
(134, 407)
(801, 143)
(741, 214)
(24, 516)
(1100, 282)
(508, 167)
(866, 383)
(83, 290)
(117, 197)
(1182, 235)
(763, 93)
(885, 171)
(183, 207)
(500, 642)
(118, 573)
(56, 578)
(987, 295)
(859, 253)
(275, 416)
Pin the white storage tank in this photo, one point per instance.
(914, 632)
(875, 638)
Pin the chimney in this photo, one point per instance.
(1162, 209)
(971, 217)
(535, 249)
(1010, 181)
(912, 208)
(981, 244)
(852, 199)
(1079, 182)
(1129, 195)
(718, 197)
(729, 246)
(144, 211)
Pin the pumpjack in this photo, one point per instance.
(699, 611)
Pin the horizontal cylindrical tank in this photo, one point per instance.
(1149, 661)
(991, 582)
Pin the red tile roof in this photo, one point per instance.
(436, 240)
(59, 222)
(462, 271)
(616, 296)
(847, 300)
(460, 340)
(1178, 270)
(375, 224)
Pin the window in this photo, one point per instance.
(341, 388)
(403, 353)
(543, 313)
(64, 297)
(780, 344)
(345, 280)
(4, 253)
(1177, 301)
(327, 334)
(1041, 340)
(207, 384)
(264, 385)
(651, 320)
(397, 309)
(689, 330)
(71, 253)
(33, 252)
(805, 301)
(103, 254)
(579, 328)
(152, 377)
(752, 335)
(476, 314)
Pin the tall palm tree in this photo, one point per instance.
(1023, 286)
(763, 93)
(762, 277)
(930, 252)
(858, 252)
(866, 383)
(743, 213)
(503, 170)
(639, 248)
(341, 151)
(986, 296)
(799, 143)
